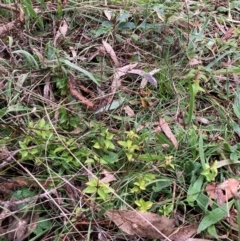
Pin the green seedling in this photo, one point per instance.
(142, 182)
(210, 172)
(96, 187)
(104, 142)
(168, 162)
(142, 205)
(166, 210)
(131, 145)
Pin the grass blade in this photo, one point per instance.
(85, 72)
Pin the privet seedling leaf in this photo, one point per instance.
(214, 216)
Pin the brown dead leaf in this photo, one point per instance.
(146, 77)
(224, 191)
(148, 225)
(76, 94)
(17, 228)
(194, 61)
(145, 103)
(4, 153)
(111, 53)
(71, 193)
(228, 34)
(231, 188)
(215, 193)
(129, 111)
(167, 131)
(116, 83)
(109, 177)
(184, 233)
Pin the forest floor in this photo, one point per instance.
(119, 120)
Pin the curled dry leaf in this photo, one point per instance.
(74, 54)
(116, 83)
(146, 77)
(149, 225)
(73, 89)
(62, 31)
(167, 131)
(111, 53)
(63, 28)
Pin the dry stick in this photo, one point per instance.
(76, 94)
(90, 173)
(25, 200)
(11, 25)
(48, 196)
(7, 161)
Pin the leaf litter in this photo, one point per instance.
(150, 225)
(220, 192)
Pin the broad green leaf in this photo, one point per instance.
(212, 231)
(194, 190)
(203, 201)
(214, 216)
(90, 189)
(111, 157)
(101, 192)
